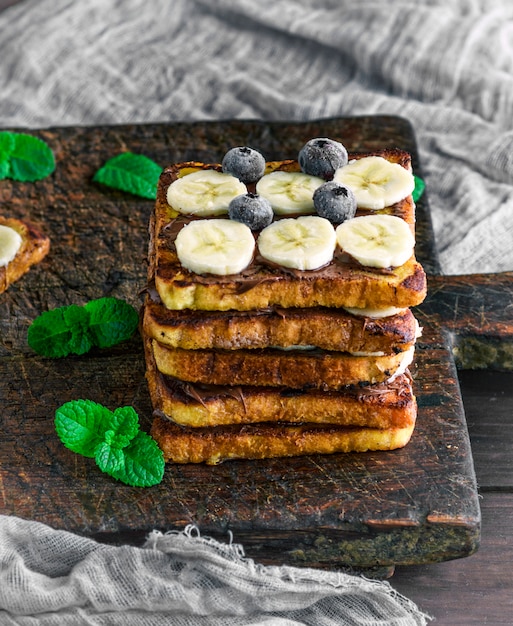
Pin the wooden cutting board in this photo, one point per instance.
(373, 510)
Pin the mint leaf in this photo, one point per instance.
(6, 143)
(144, 462)
(81, 425)
(113, 439)
(74, 329)
(6, 147)
(111, 321)
(109, 459)
(50, 335)
(60, 332)
(29, 157)
(76, 319)
(420, 185)
(134, 173)
(124, 427)
(4, 167)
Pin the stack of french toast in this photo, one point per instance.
(277, 317)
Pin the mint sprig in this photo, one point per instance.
(81, 426)
(113, 439)
(143, 462)
(75, 329)
(135, 173)
(24, 157)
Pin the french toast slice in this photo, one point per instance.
(385, 405)
(34, 247)
(260, 441)
(294, 368)
(342, 283)
(321, 327)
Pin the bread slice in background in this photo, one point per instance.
(35, 246)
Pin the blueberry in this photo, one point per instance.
(335, 202)
(321, 157)
(245, 163)
(251, 209)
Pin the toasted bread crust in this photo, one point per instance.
(386, 405)
(296, 369)
(34, 248)
(214, 445)
(198, 406)
(404, 287)
(329, 329)
(341, 283)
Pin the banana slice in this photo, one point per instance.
(10, 243)
(204, 193)
(375, 313)
(215, 246)
(303, 243)
(289, 192)
(376, 240)
(406, 361)
(375, 182)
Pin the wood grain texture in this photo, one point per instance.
(488, 403)
(472, 591)
(374, 510)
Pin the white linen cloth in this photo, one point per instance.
(446, 65)
(54, 578)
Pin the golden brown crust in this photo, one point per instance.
(214, 445)
(404, 287)
(377, 406)
(296, 369)
(329, 329)
(341, 283)
(34, 248)
(198, 406)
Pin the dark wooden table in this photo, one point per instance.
(477, 589)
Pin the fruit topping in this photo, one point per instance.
(215, 246)
(376, 240)
(245, 163)
(335, 202)
(376, 182)
(204, 193)
(303, 243)
(375, 313)
(251, 209)
(289, 192)
(321, 157)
